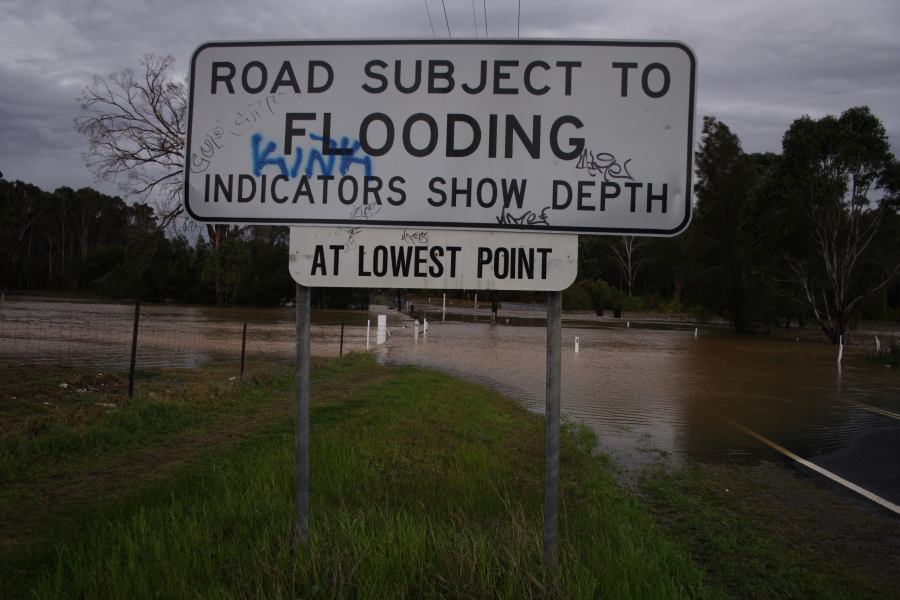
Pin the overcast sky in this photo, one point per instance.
(762, 63)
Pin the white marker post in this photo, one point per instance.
(381, 334)
(577, 344)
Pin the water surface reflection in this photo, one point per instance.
(649, 391)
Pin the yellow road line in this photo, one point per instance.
(836, 478)
(871, 408)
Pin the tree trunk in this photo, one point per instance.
(217, 235)
(678, 294)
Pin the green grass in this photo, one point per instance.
(765, 531)
(69, 463)
(422, 486)
(42, 423)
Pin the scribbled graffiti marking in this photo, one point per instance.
(245, 118)
(527, 219)
(365, 211)
(351, 233)
(604, 164)
(212, 142)
(414, 237)
(241, 122)
(267, 155)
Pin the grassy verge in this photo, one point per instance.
(81, 453)
(422, 486)
(767, 531)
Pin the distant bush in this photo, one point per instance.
(598, 295)
(889, 355)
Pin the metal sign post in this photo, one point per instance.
(301, 435)
(551, 431)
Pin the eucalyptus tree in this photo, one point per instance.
(834, 189)
(726, 177)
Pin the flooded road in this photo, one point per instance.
(650, 390)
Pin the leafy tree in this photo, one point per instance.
(136, 273)
(227, 267)
(725, 179)
(828, 203)
(23, 208)
(594, 260)
(268, 282)
(59, 240)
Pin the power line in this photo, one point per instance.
(474, 18)
(433, 34)
(519, 21)
(484, 5)
(446, 20)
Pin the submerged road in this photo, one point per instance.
(654, 388)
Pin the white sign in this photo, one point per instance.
(431, 259)
(550, 136)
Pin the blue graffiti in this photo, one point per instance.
(264, 156)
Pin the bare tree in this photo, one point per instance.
(136, 126)
(625, 250)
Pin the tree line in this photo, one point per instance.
(83, 241)
(807, 236)
(811, 235)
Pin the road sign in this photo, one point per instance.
(431, 259)
(570, 136)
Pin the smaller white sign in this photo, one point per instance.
(432, 259)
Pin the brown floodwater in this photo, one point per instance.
(650, 388)
(89, 333)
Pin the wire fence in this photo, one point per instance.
(99, 335)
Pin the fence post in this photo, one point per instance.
(243, 348)
(134, 336)
(341, 351)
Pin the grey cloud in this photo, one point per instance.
(761, 63)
